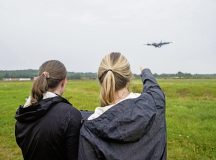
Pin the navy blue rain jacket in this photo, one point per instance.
(134, 129)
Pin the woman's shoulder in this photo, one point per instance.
(100, 110)
(67, 113)
(65, 106)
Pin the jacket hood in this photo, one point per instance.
(126, 121)
(34, 112)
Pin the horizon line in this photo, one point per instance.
(96, 72)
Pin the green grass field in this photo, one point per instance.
(190, 114)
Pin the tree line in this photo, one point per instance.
(30, 73)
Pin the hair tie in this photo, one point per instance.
(45, 74)
(105, 72)
(109, 70)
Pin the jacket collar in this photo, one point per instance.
(45, 96)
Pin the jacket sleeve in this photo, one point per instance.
(72, 134)
(151, 87)
(86, 150)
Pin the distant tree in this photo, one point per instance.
(6, 75)
(180, 74)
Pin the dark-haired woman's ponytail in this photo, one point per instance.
(39, 87)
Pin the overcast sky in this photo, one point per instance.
(79, 33)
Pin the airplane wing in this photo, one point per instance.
(148, 44)
(166, 43)
(154, 44)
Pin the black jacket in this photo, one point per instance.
(48, 130)
(134, 129)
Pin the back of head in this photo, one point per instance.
(51, 73)
(114, 74)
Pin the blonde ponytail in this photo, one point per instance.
(107, 89)
(114, 74)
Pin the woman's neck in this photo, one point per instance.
(56, 91)
(121, 94)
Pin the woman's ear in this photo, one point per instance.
(63, 85)
(128, 86)
(64, 82)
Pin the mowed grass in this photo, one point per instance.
(190, 114)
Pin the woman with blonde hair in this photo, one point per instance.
(127, 126)
(47, 126)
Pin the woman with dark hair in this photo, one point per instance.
(47, 126)
(127, 126)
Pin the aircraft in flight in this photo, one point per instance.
(158, 45)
